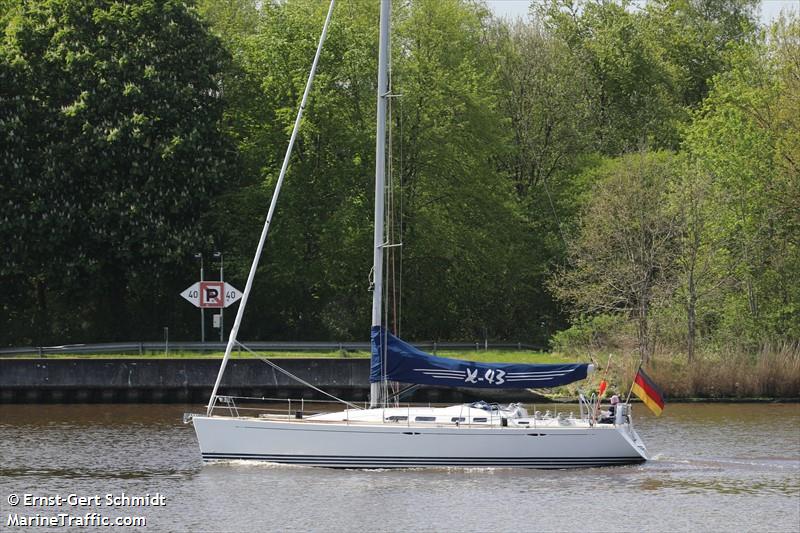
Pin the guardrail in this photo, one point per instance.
(142, 348)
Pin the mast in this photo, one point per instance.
(254, 266)
(376, 396)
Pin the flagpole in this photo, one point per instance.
(633, 381)
(599, 396)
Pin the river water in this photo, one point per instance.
(715, 467)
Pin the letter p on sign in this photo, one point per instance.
(212, 294)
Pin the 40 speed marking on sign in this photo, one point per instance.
(211, 294)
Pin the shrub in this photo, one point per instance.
(593, 334)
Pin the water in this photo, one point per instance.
(714, 468)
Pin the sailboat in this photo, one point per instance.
(387, 435)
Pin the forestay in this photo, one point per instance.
(407, 364)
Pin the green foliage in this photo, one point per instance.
(543, 93)
(313, 277)
(694, 36)
(732, 200)
(644, 159)
(646, 66)
(620, 260)
(745, 140)
(465, 245)
(459, 221)
(632, 96)
(111, 150)
(593, 333)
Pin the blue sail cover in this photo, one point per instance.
(408, 364)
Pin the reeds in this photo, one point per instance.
(772, 372)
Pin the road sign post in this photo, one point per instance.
(199, 255)
(221, 311)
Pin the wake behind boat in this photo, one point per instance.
(386, 435)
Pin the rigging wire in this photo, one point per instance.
(555, 215)
(388, 214)
(296, 378)
(390, 270)
(401, 189)
(389, 287)
(394, 224)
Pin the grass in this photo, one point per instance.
(496, 356)
(202, 355)
(507, 356)
(772, 372)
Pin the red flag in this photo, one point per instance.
(603, 387)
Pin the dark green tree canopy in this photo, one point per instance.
(109, 115)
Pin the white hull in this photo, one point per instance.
(353, 444)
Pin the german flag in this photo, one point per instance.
(647, 391)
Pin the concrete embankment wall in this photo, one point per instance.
(191, 380)
(172, 380)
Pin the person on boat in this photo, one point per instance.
(610, 415)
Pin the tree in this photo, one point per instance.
(694, 36)
(543, 93)
(631, 94)
(620, 260)
(462, 252)
(744, 137)
(469, 259)
(700, 245)
(313, 276)
(111, 152)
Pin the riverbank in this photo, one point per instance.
(190, 379)
(160, 380)
(735, 375)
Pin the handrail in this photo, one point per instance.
(144, 348)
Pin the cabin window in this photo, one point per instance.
(458, 419)
(523, 422)
(425, 419)
(396, 418)
(479, 420)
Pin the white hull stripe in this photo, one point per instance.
(543, 373)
